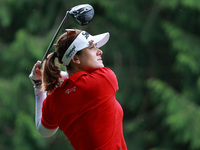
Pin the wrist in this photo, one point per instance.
(37, 90)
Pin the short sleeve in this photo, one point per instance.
(47, 119)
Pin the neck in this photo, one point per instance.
(73, 71)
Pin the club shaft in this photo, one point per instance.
(53, 39)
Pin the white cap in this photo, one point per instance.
(82, 41)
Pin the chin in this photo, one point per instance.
(101, 66)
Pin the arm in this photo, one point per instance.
(40, 96)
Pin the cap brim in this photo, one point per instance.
(101, 39)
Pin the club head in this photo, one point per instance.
(83, 14)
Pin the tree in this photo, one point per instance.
(153, 49)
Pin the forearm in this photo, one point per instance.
(39, 98)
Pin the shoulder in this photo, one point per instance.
(104, 71)
(105, 76)
(100, 75)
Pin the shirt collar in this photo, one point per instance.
(75, 76)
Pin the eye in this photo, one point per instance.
(92, 46)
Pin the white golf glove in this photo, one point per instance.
(35, 75)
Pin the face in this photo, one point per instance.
(90, 59)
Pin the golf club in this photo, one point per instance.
(83, 14)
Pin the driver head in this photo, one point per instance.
(83, 14)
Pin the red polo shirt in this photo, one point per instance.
(86, 110)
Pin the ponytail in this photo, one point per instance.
(51, 73)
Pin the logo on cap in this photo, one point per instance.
(71, 52)
(91, 42)
(85, 34)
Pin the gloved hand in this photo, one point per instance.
(36, 75)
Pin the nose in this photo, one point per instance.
(99, 52)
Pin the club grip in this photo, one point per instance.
(40, 66)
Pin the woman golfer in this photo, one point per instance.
(83, 106)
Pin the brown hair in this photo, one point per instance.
(51, 71)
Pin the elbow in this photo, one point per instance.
(44, 135)
(44, 132)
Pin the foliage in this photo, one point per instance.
(153, 49)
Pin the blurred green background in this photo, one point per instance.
(153, 49)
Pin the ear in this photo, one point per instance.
(76, 60)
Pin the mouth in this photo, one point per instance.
(99, 59)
